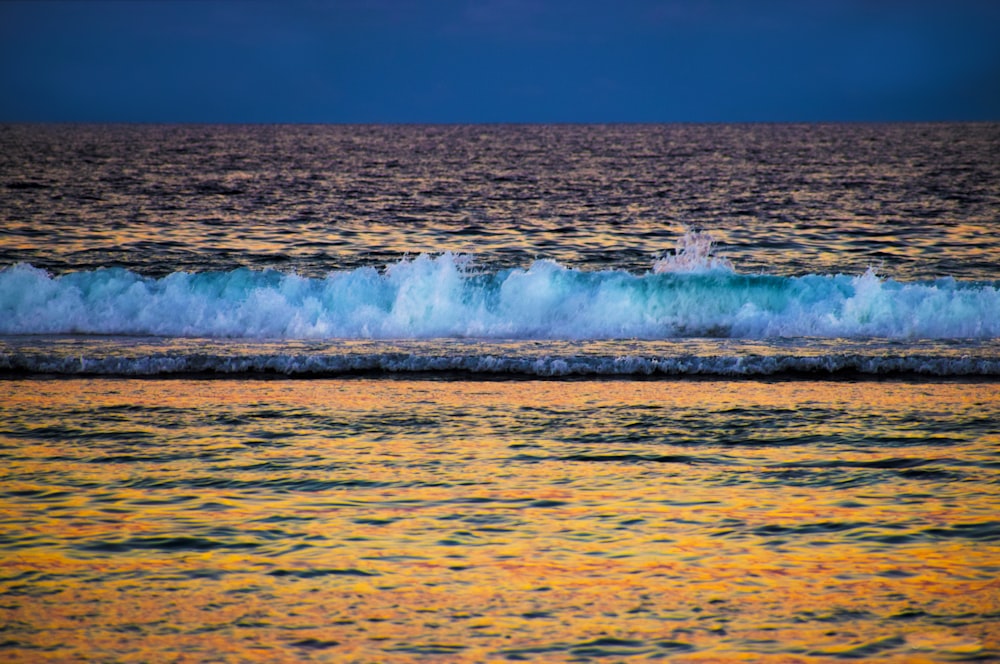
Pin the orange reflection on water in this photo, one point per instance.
(391, 519)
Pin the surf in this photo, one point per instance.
(448, 296)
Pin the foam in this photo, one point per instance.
(490, 365)
(446, 297)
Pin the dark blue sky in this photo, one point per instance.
(499, 60)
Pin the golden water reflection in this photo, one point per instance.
(390, 520)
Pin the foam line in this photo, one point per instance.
(305, 365)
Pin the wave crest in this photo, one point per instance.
(442, 296)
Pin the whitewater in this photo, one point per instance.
(692, 314)
(444, 296)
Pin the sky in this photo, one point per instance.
(469, 61)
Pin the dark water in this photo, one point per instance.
(917, 201)
(490, 393)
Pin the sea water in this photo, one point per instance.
(500, 393)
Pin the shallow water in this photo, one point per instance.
(381, 520)
(489, 359)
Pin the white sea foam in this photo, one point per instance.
(495, 365)
(440, 296)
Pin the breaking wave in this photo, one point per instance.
(446, 297)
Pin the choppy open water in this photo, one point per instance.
(487, 393)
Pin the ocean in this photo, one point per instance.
(696, 393)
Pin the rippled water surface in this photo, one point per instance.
(382, 520)
(920, 201)
(487, 393)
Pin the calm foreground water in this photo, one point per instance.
(391, 394)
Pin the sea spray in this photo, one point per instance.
(440, 296)
(695, 252)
